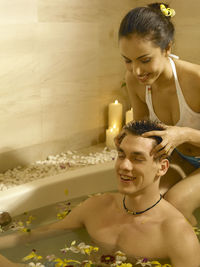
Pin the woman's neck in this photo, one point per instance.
(166, 78)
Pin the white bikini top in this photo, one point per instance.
(188, 117)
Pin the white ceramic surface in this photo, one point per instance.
(46, 191)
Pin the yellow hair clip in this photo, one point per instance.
(168, 12)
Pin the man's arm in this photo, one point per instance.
(74, 220)
(183, 246)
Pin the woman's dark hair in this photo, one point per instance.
(148, 22)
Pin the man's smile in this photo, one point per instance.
(127, 178)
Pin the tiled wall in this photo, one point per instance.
(60, 67)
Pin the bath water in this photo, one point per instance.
(53, 245)
(44, 247)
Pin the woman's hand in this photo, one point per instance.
(171, 138)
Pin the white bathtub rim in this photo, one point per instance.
(44, 191)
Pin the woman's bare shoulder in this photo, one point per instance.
(189, 77)
(188, 69)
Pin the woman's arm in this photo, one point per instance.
(191, 136)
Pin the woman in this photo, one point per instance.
(165, 89)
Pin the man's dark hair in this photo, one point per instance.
(143, 126)
(138, 128)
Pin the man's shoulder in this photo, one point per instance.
(177, 231)
(176, 224)
(181, 242)
(98, 200)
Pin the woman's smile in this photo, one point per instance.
(143, 78)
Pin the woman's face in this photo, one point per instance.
(143, 59)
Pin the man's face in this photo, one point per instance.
(136, 169)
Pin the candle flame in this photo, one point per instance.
(116, 101)
(114, 126)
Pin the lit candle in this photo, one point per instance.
(111, 133)
(115, 115)
(129, 115)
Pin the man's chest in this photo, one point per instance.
(134, 240)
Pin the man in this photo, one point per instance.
(136, 220)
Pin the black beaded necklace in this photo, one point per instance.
(139, 212)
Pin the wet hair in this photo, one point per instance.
(140, 127)
(148, 22)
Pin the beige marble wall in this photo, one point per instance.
(187, 37)
(60, 68)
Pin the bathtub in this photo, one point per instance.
(50, 190)
(47, 191)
